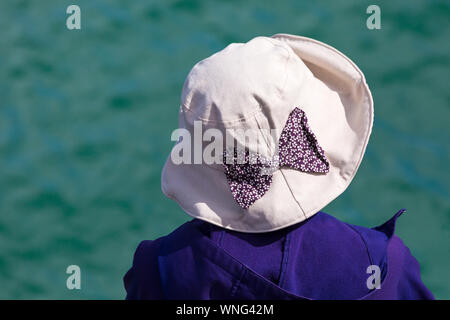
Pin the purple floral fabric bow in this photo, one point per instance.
(298, 149)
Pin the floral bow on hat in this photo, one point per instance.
(298, 149)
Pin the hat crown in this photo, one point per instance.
(242, 78)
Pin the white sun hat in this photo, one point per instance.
(259, 85)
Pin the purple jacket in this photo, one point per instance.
(320, 258)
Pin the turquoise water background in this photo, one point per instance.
(86, 118)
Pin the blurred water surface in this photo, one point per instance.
(86, 118)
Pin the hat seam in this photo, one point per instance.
(292, 194)
(241, 119)
(282, 173)
(289, 52)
